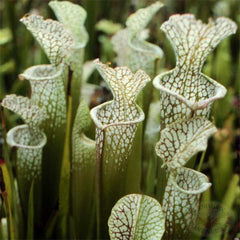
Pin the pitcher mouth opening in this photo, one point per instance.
(102, 126)
(42, 72)
(202, 181)
(13, 141)
(220, 92)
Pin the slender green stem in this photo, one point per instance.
(65, 175)
(7, 198)
(161, 181)
(201, 161)
(227, 204)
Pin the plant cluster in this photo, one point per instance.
(61, 182)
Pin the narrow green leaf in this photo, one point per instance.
(64, 189)
(151, 135)
(228, 201)
(30, 220)
(5, 36)
(222, 169)
(136, 217)
(237, 84)
(4, 229)
(77, 57)
(223, 63)
(7, 198)
(51, 225)
(7, 67)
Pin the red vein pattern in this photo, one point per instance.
(51, 35)
(186, 99)
(117, 120)
(116, 123)
(30, 113)
(185, 89)
(136, 217)
(29, 141)
(181, 201)
(183, 139)
(48, 93)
